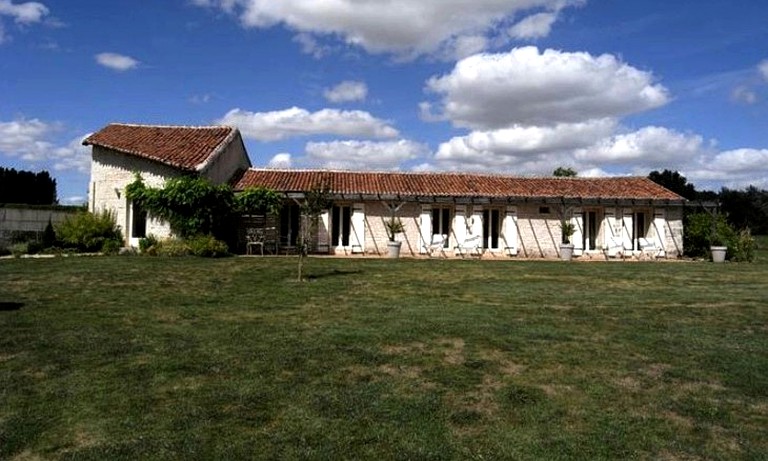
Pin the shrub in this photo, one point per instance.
(111, 247)
(700, 234)
(87, 231)
(18, 249)
(4, 251)
(742, 248)
(207, 246)
(49, 236)
(147, 242)
(170, 247)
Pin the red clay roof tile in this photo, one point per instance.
(456, 185)
(178, 146)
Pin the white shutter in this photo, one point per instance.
(612, 238)
(460, 223)
(476, 224)
(425, 225)
(323, 232)
(357, 230)
(577, 239)
(659, 223)
(510, 231)
(627, 230)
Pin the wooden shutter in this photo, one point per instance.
(577, 239)
(510, 231)
(627, 229)
(425, 226)
(357, 231)
(460, 223)
(611, 238)
(659, 224)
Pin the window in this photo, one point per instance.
(138, 222)
(441, 223)
(341, 225)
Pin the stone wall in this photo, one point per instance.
(29, 221)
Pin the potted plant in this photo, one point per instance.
(717, 246)
(566, 247)
(394, 226)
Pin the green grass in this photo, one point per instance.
(155, 358)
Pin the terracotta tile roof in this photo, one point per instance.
(183, 147)
(456, 185)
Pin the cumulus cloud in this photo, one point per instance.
(29, 140)
(347, 91)
(293, 122)
(652, 146)
(363, 155)
(23, 13)
(528, 87)
(744, 95)
(403, 27)
(280, 161)
(116, 61)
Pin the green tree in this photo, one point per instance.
(564, 172)
(675, 182)
(316, 201)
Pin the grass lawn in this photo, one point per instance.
(155, 358)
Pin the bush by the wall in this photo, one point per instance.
(147, 242)
(169, 247)
(89, 231)
(207, 246)
(700, 234)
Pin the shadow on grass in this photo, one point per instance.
(333, 273)
(10, 306)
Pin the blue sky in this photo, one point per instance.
(504, 86)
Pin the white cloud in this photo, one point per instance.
(347, 91)
(528, 87)
(293, 122)
(363, 155)
(519, 143)
(116, 61)
(29, 141)
(282, 161)
(23, 13)
(744, 95)
(403, 27)
(535, 26)
(763, 68)
(652, 146)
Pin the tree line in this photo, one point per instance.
(743, 209)
(26, 187)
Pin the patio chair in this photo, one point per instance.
(254, 238)
(436, 245)
(649, 249)
(613, 248)
(470, 246)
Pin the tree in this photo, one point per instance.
(746, 209)
(316, 200)
(26, 187)
(564, 172)
(675, 182)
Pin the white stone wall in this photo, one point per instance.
(674, 232)
(110, 172)
(227, 163)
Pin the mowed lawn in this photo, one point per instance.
(185, 358)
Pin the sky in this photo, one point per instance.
(517, 87)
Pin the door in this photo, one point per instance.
(491, 228)
(341, 226)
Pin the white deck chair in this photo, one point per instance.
(470, 246)
(649, 249)
(614, 247)
(437, 245)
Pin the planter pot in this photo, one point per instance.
(566, 251)
(393, 249)
(718, 253)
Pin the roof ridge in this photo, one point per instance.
(451, 173)
(194, 127)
